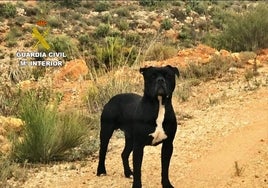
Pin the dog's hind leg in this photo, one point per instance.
(105, 135)
(125, 156)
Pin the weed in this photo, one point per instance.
(9, 169)
(113, 53)
(122, 12)
(54, 22)
(102, 31)
(184, 92)
(47, 135)
(8, 99)
(63, 43)
(101, 6)
(38, 72)
(238, 170)
(160, 52)
(8, 10)
(147, 2)
(245, 32)
(215, 67)
(123, 25)
(133, 38)
(84, 39)
(166, 24)
(12, 36)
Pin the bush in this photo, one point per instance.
(47, 135)
(111, 53)
(246, 32)
(12, 36)
(70, 3)
(8, 10)
(147, 3)
(54, 22)
(133, 38)
(160, 52)
(84, 39)
(64, 44)
(101, 6)
(122, 12)
(123, 25)
(215, 67)
(166, 24)
(102, 30)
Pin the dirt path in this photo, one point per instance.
(218, 165)
(205, 150)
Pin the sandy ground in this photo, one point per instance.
(213, 136)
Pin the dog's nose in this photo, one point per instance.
(160, 80)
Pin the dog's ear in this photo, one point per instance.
(175, 70)
(142, 70)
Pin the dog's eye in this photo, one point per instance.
(153, 76)
(168, 76)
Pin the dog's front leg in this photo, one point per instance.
(137, 161)
(166, 153)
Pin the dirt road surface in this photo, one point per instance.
(218, 144)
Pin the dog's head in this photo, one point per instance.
(159, 81)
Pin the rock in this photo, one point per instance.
(11, 124)
(253, 61)
(72, 71)
(7, 125)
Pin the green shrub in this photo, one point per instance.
(84, 39)
(8, 10)
(148, 3)
(123, 25)
(101, 6)
(246, 32)
(106, 18)
(166, 24)
(54, 21)
(13, 36)
(215, 67)
(110, 54)
(102, 30)
(47, 135)
(122, 12)
(70, 3)
(63, 43)
(133, 38)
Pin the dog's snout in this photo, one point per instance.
(160, 80)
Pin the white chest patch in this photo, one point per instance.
(159, 133)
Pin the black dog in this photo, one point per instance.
(145, 120)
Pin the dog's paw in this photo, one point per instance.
(129, 174)
(101, 172)
(158, 136)
(167, 184)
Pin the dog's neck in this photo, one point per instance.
(164, 99)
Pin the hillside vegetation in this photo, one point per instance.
(50, 115)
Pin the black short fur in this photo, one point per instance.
(136, 115)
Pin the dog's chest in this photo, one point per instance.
(159, 133)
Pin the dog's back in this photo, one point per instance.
(120, 110)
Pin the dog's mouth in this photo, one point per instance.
(161, 90)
